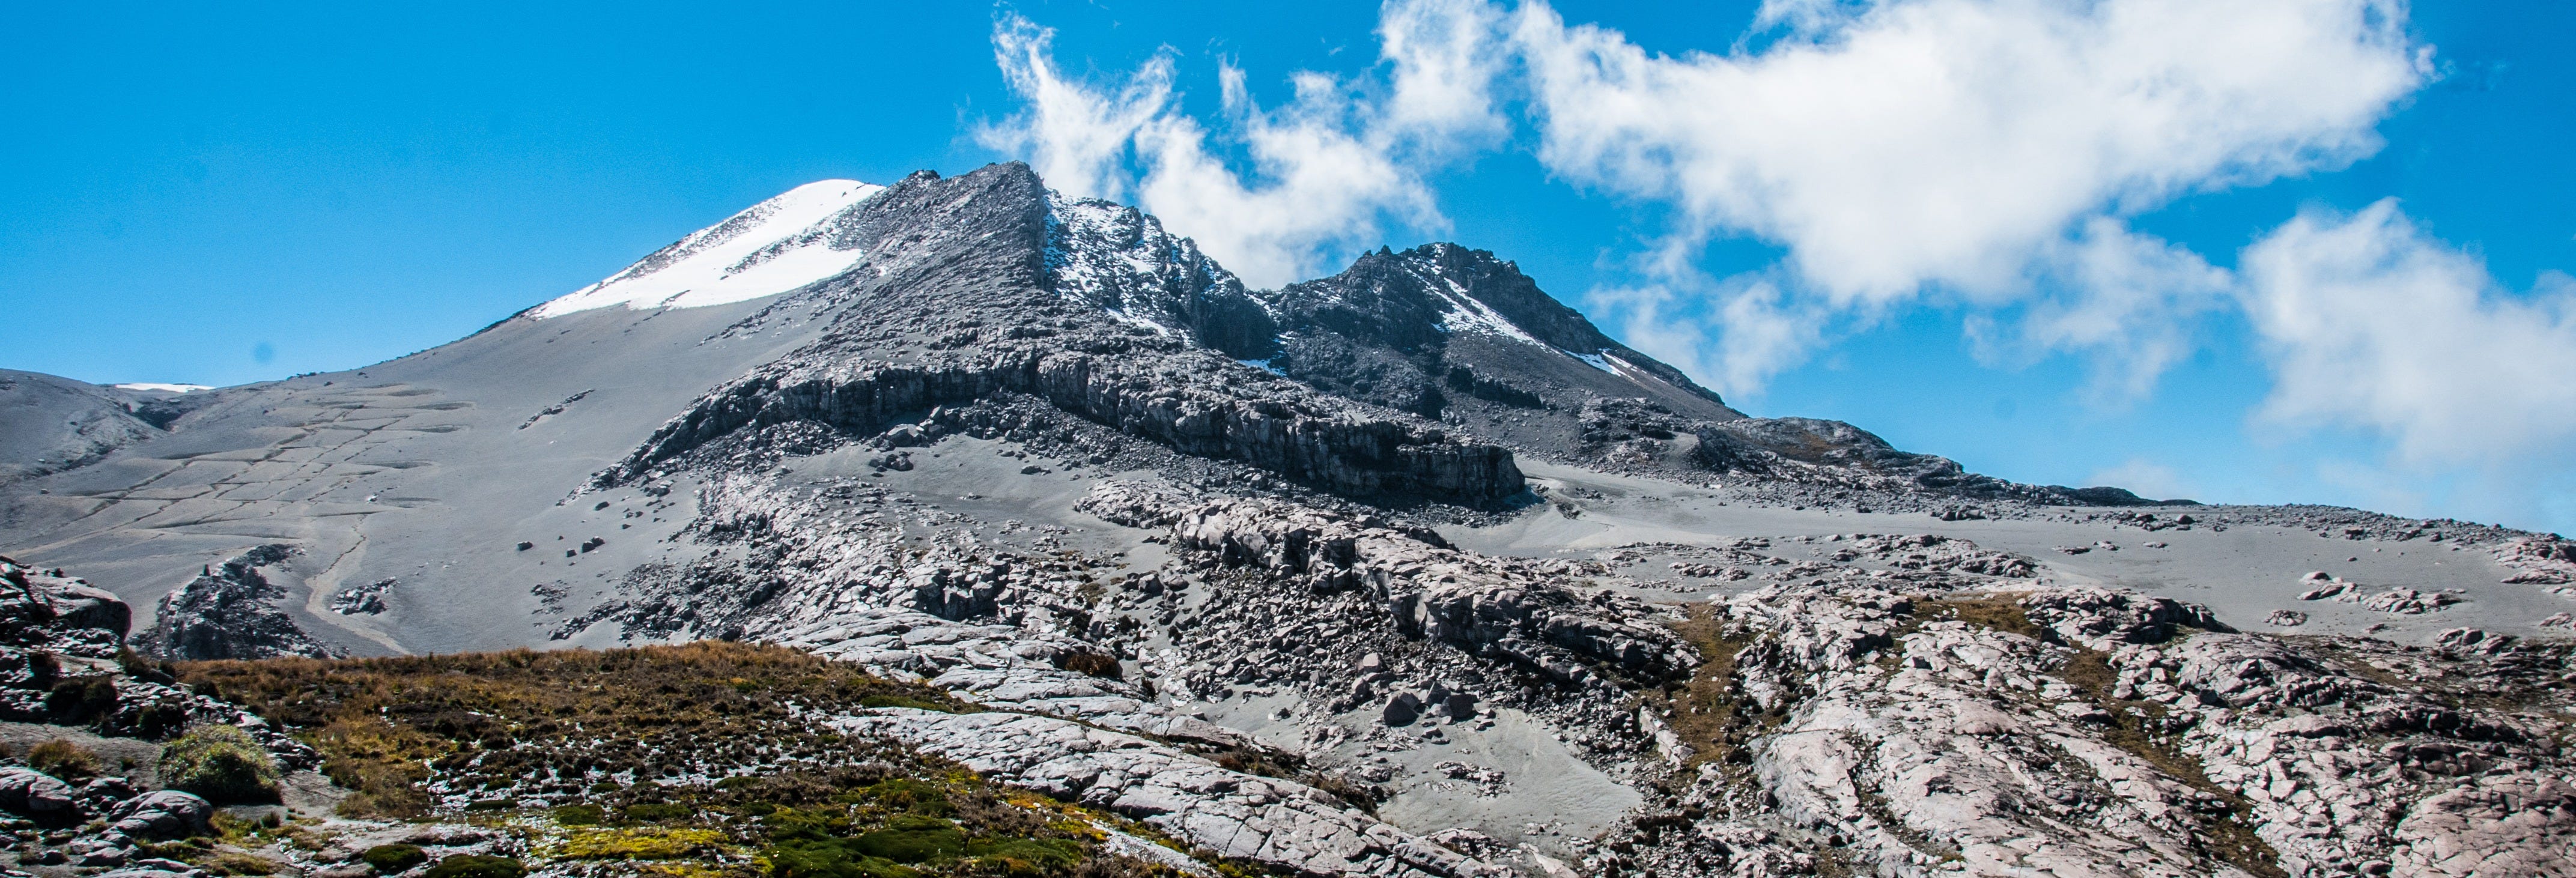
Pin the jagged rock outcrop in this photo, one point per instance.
(2103, 619)
(60, 662)
(1493, 607)
(47, 615)
(228, 612)
(1213, 409)
(2539, 560)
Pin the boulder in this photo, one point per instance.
(162, 814)
(27, 791)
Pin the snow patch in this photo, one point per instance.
(1468, 314)
(169, 388)
(1598, 361)
(776, 246)
(1120, 260)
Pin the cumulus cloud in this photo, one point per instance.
(1959, 146)
(1316, 175)
(2369, 322)
(1444, 65)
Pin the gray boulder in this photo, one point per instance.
(27, 791)
(162, 814)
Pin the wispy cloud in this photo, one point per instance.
(1076, 135)
(1324, 171)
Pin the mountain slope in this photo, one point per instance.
(1414, 528)
(50, 424)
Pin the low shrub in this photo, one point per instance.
(81, 699)
(63, 759)
(580, 815)
(221, 763)
(1092, 663)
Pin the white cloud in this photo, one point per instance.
(1761, 323)
(1444, 64)
(2370, 323)
(1959, 145)
(1323, 171)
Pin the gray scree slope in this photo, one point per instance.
(1554, 607)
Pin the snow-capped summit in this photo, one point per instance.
(775, 246)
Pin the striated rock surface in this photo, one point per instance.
(1280, 824)
(2091, 732)
(1004, 667)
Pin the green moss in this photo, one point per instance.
(472, 866)
(1025, 856)
(910, 838)
(907, 794)
(221, 763)
(829, 858)
(642, 844)
(392, 858)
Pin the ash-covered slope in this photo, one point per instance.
(50, 424)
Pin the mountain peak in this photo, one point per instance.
(769, 248)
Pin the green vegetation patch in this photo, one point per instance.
(222, 763)
(472, 866)
(391, 858)
(695, 761)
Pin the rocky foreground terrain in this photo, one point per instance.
(1019, 537)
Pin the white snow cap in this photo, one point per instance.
(776, 246)
(169, 388)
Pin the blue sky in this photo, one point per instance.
(2033, 263)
